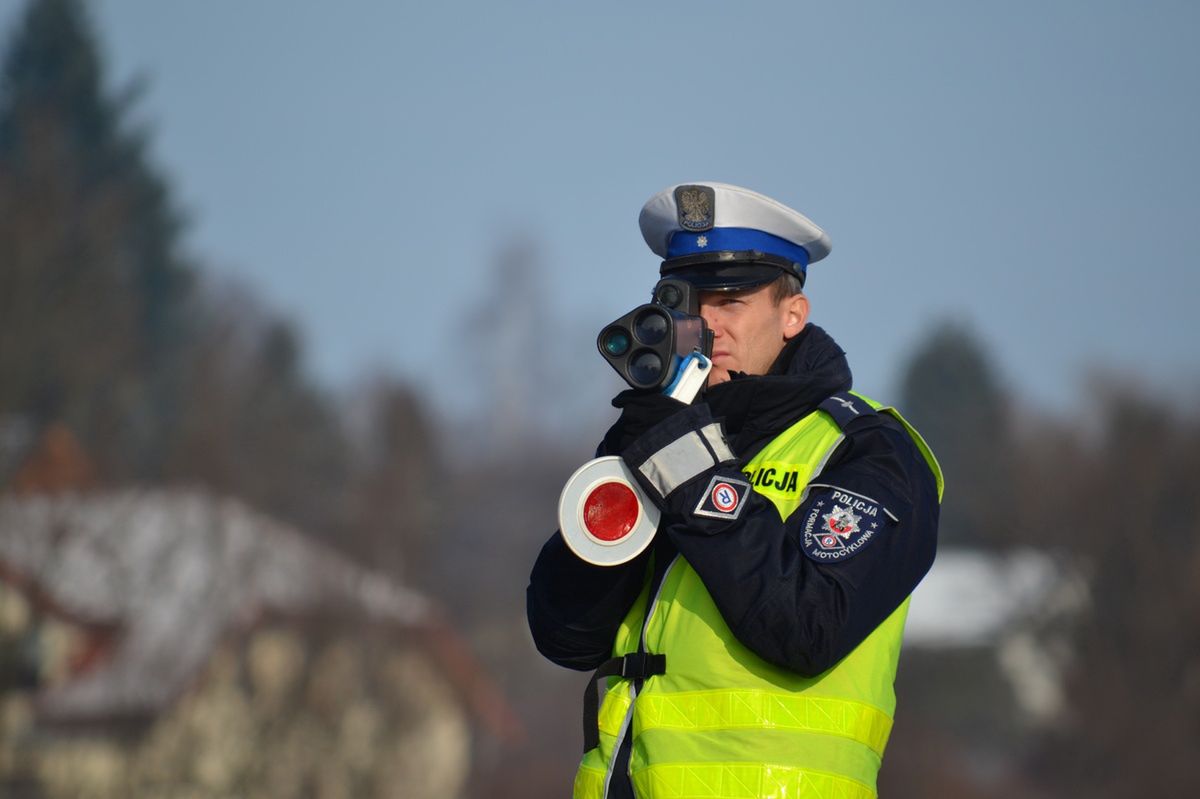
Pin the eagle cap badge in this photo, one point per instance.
(695, 206)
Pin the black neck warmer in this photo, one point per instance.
(757, 408)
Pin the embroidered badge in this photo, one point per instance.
(840, 524)
(723, 499)
(695, 206)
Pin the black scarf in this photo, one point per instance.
(756, 408)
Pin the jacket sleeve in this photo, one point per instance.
(574, 608)
(793, 591)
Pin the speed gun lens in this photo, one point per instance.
(645, 368)
(670, 296)
(615, 341)
(651, 327)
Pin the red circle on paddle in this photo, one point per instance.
(610, 511)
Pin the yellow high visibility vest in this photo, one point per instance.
(722, 722)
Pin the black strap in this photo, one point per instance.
(635, 666)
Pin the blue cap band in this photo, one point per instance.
(735, 239)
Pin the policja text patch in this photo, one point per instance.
(723, 499)
(840, 524)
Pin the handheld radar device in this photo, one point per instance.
(651, 346)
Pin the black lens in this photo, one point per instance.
(645, 368)
(670, 296)
(615, 341)
(651, 327)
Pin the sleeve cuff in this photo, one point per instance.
(677, 451)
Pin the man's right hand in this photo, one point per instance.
(640, 411)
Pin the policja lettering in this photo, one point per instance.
(765, 478)
(856, 504)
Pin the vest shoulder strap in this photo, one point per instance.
(848, 409)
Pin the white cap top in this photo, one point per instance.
(695, 218)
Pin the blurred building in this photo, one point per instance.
(173, 643)
(983, 673)
(1008, 605)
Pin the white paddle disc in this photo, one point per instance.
(604, 515)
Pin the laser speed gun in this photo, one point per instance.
(664, 345)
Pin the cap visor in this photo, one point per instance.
(728, 277)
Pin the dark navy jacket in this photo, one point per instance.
(783, 605)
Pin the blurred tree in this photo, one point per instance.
(93, 289)
(251, 424)
(397, 479)
(951, 393)
(511, 371)
(1120, 501)
(103, 325)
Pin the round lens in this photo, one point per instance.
(651, 327)
(615, 341)
(645, 368)
(670, 296)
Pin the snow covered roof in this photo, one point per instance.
(970, 597)
(16, 440)
(175, 571)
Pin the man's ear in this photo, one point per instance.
(795, 315)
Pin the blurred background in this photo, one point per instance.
(297, 315)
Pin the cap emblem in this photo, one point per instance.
(695, 205)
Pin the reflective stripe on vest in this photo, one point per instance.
(731, 709)
(728, 781)
(744, 781)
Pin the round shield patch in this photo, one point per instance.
(839, 524)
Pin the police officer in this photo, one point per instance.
(751, 650)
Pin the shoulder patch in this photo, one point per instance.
(840, 524)
(845, 408)
(724, 498)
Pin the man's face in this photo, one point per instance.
(749, 328)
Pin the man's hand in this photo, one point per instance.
(640, 411)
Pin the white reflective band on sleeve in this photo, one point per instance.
(716, 439)
(684, 458)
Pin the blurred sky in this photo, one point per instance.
(1029, 167)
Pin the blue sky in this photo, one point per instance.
(1028, 167)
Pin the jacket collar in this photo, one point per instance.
(757, 408)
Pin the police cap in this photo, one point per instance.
(722, 237)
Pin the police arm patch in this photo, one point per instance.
(723, 499)
(839, 524)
